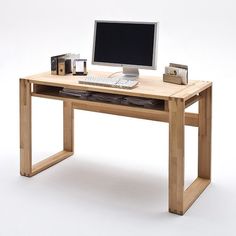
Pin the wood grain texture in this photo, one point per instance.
(191, 119)
(25, 128)
(192, 100)
(122, 110)
(176, 156)
(68, 126)
(204, 134)
(194, 191)
(192, 90)
(26, 168)
(149, 86)
(50, 161)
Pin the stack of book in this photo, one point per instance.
(113, 98)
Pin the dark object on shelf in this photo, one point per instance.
(77, 93)
(114, 98)
(143, 102)
(106, 97)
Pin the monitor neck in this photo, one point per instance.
(130, 71)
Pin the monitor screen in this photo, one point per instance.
(125, 43)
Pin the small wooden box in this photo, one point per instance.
(172, 79)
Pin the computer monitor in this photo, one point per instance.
(131, 45)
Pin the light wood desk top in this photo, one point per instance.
(149, 86)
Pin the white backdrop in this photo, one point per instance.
(105, 190)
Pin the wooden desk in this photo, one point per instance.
(175, 99)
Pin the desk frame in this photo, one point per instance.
(174, 113)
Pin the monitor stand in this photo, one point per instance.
(130, 73)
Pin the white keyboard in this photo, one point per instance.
(117, 82)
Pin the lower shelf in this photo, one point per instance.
(115, 109)
(154, 104)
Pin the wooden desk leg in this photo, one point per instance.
(26, 167)
(25, 128)
(180, 200)
(176, 156)
(68, 126)
(204, 134)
